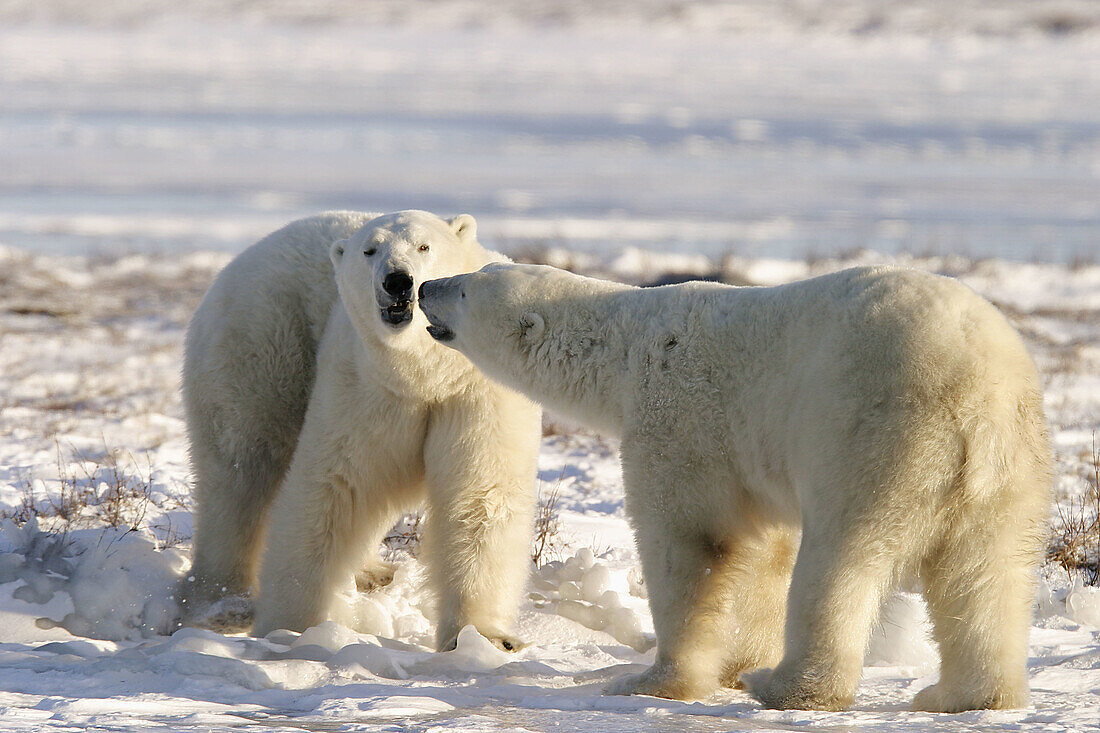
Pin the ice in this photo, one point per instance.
(30, 621)
(372, 617)
(585, 614)
(591, 602)
(368, 660)
(328, 635)
(475, 653)
(569, 591)
(385, 706)
(609, 600)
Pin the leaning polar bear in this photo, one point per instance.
(307, 367)
(891, 415)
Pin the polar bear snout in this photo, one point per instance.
(396, 299)
(433, 292)
(429, 296)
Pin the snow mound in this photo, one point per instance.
(117, 582)
(1076, 601)
(587, 592)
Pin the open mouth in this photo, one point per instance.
(437, 330)
(440, 333)
(398, 313)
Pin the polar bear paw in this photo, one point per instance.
(506, 643)
(503, 642)
(657, 681)
(780, 691)
(375, 576)
(937, 699)
(227, 615)
(930, 700)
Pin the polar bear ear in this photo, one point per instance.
(336, 251)
(531, 326)
(464, 226)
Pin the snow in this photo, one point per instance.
(755, 141)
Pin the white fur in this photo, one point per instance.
(293, 379)
(891, 416)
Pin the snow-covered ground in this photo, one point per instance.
(755, 140)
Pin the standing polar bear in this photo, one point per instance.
(307, 368)
(891, 415)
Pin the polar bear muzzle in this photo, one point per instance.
(437, 329)
(398, 285)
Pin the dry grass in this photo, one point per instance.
(406, 536)
(547, 543)
(113, 489)
(1075, 544)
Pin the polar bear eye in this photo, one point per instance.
(369, 251)
(422, 248)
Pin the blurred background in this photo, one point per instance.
(777, 128)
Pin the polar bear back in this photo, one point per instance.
(769, 372)
(302, 247)
(260, 329)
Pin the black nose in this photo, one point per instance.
(397, 283)
(420, 292)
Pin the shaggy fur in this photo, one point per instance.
(304, 372)
(891, 416)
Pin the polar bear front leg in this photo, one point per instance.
(687, 577)
(480, 457)
(712, 576)
(313, 545)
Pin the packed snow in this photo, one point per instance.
(751, 141)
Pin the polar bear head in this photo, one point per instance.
(537, 329)
(380, 267)
(499, 301)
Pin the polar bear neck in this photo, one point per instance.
(577, 367)
(412, 364)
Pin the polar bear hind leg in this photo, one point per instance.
(718, 610)
(232, 497)
(860, 532)
(758, 569)
(234, 486)
(979, 579)
(980, 608)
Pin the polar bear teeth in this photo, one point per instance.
(398, 313)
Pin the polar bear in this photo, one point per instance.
(892, 416)
(318, 409)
